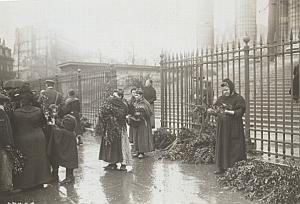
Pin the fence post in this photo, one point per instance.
(247, 89)
(162, 84)
(79, 91)
(56, 82)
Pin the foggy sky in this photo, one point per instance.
(116, 27)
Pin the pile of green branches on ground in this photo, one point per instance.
(193, 146)
(163, 138)
(264, 181)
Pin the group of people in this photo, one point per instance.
(42, 130)
(115, 115)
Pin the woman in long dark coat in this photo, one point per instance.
(6, 139)
(72, 106)
(30, 139)
(142, 134)
(111, 126)
(230, 145)
(63, 148)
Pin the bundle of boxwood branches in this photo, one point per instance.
(263, 181)
(163, 138)
(193, 146)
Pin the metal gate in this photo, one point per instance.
(90, 87)
(263, 75)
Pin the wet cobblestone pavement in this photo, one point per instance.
(150, 181)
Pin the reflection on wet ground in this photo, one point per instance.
(150, 181)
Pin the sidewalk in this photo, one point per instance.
(150, 181)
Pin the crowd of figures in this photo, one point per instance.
(115, 115)
(41, 132)
(38, 134)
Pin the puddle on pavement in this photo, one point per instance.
(151, 181)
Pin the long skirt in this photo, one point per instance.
(111, 152)
(152, 118)
(5, 172)
(126, 151)
(143, 138)
(37, 165)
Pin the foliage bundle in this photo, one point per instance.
(264, 181)
(163, 138)
(18, 159)
(193, 146)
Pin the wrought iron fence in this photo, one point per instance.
(263, 75)
(91, 88)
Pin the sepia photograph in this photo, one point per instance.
(149, 101)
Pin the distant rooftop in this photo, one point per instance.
(87, 65)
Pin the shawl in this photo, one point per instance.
(143, 106)
(112, 119)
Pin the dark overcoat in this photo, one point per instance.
(230, 145)
(53, 97)
(72, 106)
(29, 138)
(150, 96)
(62, 148)
(6, 138)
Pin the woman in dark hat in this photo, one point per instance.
(6, 139)
(30, 140)
(142, 134)
(230, 145)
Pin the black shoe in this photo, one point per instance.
(123, 167)
(111, 167)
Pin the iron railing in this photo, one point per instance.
(91, 88)
(263, 75)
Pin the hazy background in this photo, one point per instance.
(115, 28)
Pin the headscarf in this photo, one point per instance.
(229, 83)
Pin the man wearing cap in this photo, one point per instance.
(52, 96)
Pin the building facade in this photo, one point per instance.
(284, 18)
(37, 51)
(245, 20)
(6, 62)
(205, 25)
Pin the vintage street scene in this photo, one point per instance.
(149, 101)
